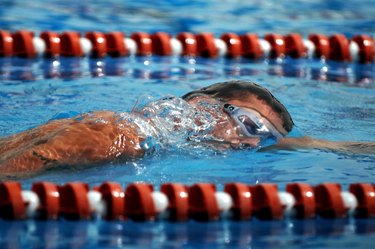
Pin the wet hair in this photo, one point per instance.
(239, 89)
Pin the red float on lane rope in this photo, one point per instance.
(99, 44)
(74, 204)
(53, 43)
(206, 45)
(277, 45)
(242, 200)
(49, 198)
(139, 204)
(365, 194)
(321, 43)
(178, 198)
(329, 203)
(294, 46)
(115, 44)
(305, 200)
(366, 48)
(114, 197)
(234, 44)
(144, 43)
(70, 44)
(23, 44)
(250, 46)
(202, 202)
(189, 43)
(161, 44)
(339, 48)
(6, 44)
(266, 202)
(11, 202)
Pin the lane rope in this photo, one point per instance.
(337, 47)
(178, 202)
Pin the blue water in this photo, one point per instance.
(327, 100)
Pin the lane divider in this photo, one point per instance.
(337, 47)
(178, 202)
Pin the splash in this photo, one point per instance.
(171, 123)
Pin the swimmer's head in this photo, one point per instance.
(250, 101)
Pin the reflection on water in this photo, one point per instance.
(246, 234)
(178, 68)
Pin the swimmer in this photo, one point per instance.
(228, 115)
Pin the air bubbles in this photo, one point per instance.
(171, 123)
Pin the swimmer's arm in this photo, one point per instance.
(290, 143)
(68, 143)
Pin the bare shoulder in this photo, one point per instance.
(87, 139)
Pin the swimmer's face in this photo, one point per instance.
(226, 129)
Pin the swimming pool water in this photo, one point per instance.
(326, 100)
(330, 110)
